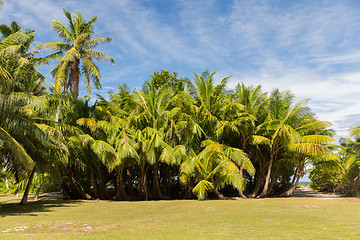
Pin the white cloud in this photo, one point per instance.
(333, 97)
(308, 47)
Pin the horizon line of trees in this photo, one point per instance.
(176, 138)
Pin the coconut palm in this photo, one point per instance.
(154, 114)
(25, 145)
(350, 164)
(17, 64)
(76, 55)
(6, 30)
(94, 154)
(210, 100)
(214, 167)
(292, 129)
(151, 148)
(240, 118)
(116, 132)
(10, 48)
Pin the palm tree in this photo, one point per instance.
(240, 118)
(154, 114)
(118, 133)
(76, 55)
(210, 101)
(6, 30)
(215, 166)
(25, 145)
(350, 165)
(291, 129)
(10, 49)
(94, 154)
(17, 64)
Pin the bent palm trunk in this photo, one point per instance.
(79, 192)
(258, 184)
(27, 189)
(57, 115)
(267, 179)
(293, 185)
(291, 189)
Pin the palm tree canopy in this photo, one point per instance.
(76, 54)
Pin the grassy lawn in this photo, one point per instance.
(283, 218)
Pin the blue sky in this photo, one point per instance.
(309, 47)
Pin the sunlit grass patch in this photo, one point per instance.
(275, 218)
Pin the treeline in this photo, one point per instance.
(176, 138)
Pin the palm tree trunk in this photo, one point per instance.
(103, 188)
(257, 187)
(79, 192)
(6, 185)
(37, 192)
(143, 193)
(95, 185)
(274, 177)
(258, 181)
(156, 186)
(219, 195)
(267, 179)
(293, 184)
(188, 189)
(74, 78)
(241, 193)
(27, 189)
(355, 187)
(121, 192)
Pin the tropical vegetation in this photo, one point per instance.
(174, 138)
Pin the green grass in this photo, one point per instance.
(273, 218)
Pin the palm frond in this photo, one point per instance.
(201, 188)
(62, 31)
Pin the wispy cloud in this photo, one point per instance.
(309, 47)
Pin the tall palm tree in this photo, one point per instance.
(25, 145)
(240, 118)
(290, 129)
(76, 55)
(118, 133)
(154, 114)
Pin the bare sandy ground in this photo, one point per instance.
(307, 192)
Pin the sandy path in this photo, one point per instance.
(308, 192)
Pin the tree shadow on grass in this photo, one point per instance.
(33, 208)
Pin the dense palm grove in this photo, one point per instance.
(176, 138)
